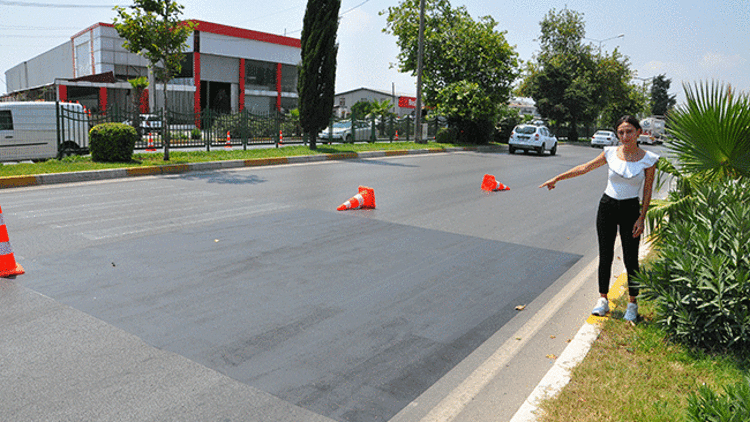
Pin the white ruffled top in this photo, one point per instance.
(626, 178)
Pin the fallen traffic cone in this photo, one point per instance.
(8, 264)
(150, 146)
(229, 142)
(364, 199)
(490, 184)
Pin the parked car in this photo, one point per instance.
(604, 138)
(342, 132)
(529, 137)
(148, 121)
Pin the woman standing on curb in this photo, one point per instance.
(630, 168)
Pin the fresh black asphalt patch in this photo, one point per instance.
(350, 317)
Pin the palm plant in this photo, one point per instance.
(711, 143)
(712, 133)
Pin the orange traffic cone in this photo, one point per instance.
(364, 199)
(150, 146)
(281, 137)
(490, 184)
(229, 142)
(8, 264)
(397, 135)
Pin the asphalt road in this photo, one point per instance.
(354, 315)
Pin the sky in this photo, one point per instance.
(690, 41)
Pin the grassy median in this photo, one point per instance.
(141, 159)
(635, 373)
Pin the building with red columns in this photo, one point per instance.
(226, 69)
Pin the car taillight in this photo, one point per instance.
(536, 136)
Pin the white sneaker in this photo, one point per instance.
(601, 308)
(631, 314)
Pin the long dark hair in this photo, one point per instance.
(628, 119)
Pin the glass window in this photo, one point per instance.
(6, 120)
(288, 78)
(260, 105)
(260, 75)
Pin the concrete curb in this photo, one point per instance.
(87, 176)
(559, 375)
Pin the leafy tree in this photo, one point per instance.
(572, 84)
(469, 109)
(362, 108)
(562, 79)
(317, 73)
(381, 108)
(154, 30)
(617, 95)
(661, 101)
(459, 52)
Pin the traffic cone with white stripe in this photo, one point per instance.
(490, 184)
(8, 265)
(364, 199)
(281, 137)
(229, 142)
(150, 146)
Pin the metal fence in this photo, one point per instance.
(73, 125)
(211, 129)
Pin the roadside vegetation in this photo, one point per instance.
(689, 357)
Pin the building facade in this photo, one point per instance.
(225, 69)
(402, 104)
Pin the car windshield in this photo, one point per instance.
(342, 125)
(526, 130)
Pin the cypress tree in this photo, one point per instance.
(317, 72)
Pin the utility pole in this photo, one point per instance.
(418, 114)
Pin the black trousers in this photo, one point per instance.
(612, 214)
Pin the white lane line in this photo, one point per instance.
(452, 405)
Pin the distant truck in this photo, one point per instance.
(653, 126)
(38, 130)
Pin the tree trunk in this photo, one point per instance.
(313, 138)
(572, 132)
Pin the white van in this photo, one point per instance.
(42, 129)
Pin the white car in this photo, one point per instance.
(342, 132)
(148, 121)
(604, 138)
(532, 137)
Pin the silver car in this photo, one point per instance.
(529, 137)
(604, 138)
(342, 132)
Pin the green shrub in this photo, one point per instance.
(196, 134)
(707, 406)
(701, 280)
(112, 142)
(446, 135)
